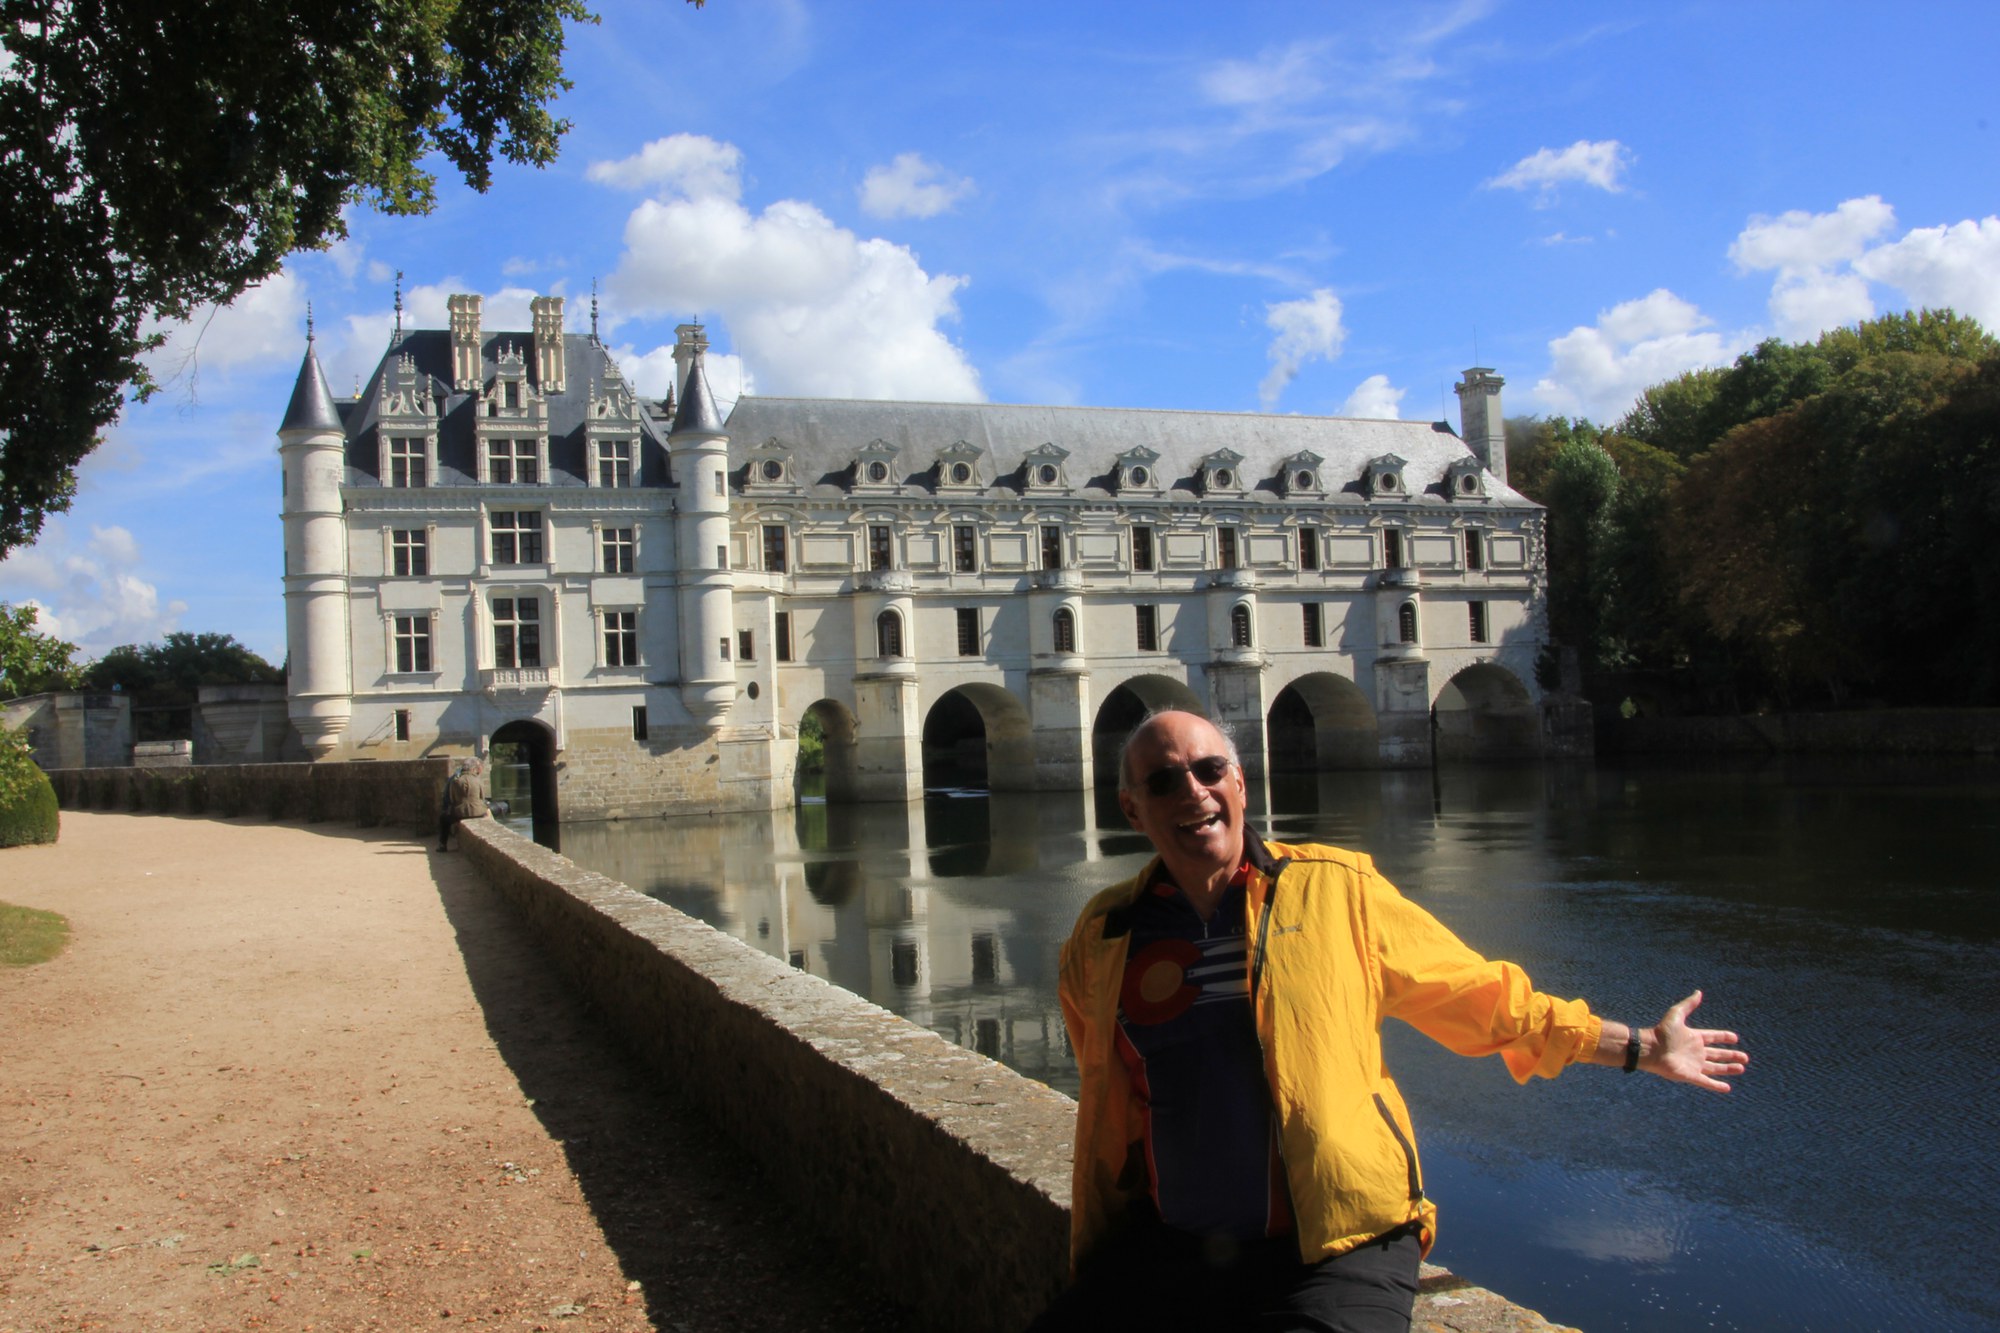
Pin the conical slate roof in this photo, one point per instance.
(312, 401)
(697, 406)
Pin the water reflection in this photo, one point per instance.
(1846, 918)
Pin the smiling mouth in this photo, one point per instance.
(1196, 826)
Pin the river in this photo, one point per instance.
(1844, 918)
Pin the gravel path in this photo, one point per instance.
(312, 1077)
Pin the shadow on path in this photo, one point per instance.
(688, 1215)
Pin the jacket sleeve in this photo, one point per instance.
(1470, 1004)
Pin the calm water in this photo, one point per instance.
(1846, 920)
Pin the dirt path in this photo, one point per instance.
(298, 1077)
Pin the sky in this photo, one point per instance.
(1326, 209)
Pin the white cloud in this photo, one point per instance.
(689, 165)
(811, 307)
(1956, 266)
(1600, 164)
(651, 374)
(911, 187)
(1288, 74)
(1599, 370)
(352, 348)
(88, 593)
(264, 324)
(1374, 397)
(1308, 329)
(1798, 242)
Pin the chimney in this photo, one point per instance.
(549, 370)
(465, 362)
(690, 343)
(1480, 423)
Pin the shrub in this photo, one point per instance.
(28, 812)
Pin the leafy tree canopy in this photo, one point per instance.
(158, 156)
(171, 671)
(32, 662)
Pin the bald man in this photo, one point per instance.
(1243, 1159)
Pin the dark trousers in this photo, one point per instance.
(1154, 1278)
(446, 822)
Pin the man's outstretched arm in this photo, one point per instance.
(1674, 1050)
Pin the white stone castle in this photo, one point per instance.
(499, 541)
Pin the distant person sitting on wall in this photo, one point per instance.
(464, 798)
(1243, 1159)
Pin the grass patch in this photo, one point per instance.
(29, 935)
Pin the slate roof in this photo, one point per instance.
(824, 436)
(312, 406)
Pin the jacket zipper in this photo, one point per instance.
(1409, 1153)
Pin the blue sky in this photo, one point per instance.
(1312, 208)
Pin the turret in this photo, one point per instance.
(1480, 424)
(312, 449)
(699, 448)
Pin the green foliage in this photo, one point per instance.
(32, 662)
(1582, 490)
(812, 744)
(28, 809)
(30, 935)
(157, 157)
(169, 673)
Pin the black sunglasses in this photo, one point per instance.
(1166, 781)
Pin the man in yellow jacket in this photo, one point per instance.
(1243, 1159)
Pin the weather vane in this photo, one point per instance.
(399, 304)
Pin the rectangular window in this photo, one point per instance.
(1392, 549)
(774, 548)
(620, 549)
(517, 536)
(517, 632)
(1478, 610)
(1308, 548)
(965, 548)
(1315, 626)
(1149, 629)
(1051, 546)
(721, 486)
(614, 463)
(409, 552)
(879, 556)
(746, 645)
(1225, 548)
(639, 722)
(510, 394)
(413, 643)
(781, 633)
(402, 724)
(1475, 549)
(968, 631)
(406, 462)
(1142, 549)
(722, 557)
(621, 638)
(511, 462)
(724, 645)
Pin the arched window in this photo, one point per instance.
(1406, 622)
(1239, 626)
(1065, 630)
(889, 634)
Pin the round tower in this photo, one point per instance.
(312, 449)
(699, 448)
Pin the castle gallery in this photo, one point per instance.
(499, 541)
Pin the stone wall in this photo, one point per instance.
(608, 775)
(943, 1171)
(1962, 731)
(401, 793)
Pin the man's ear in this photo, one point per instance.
(1126, 804)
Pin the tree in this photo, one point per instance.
(158, 157)
(1582, 495)
(32, 662)
(171, 672)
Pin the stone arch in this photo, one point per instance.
(1485, 712)
(979, 735)
(1321, 721)
(838, 726)
(1127, 706)
(526, 750)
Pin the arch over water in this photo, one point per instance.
(837, 726)
(1321, 721)
(979, 735)
(1125, 708)
(523, 754)
(1485, 712)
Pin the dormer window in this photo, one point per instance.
(958, 467)
(1299, 474)
(1137, 471)
(1043, 468)
(1468, 480)
(1384, 476)
(769, 469)
(1222, 472)
(876, 467)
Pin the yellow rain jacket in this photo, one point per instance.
(1334, 950)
